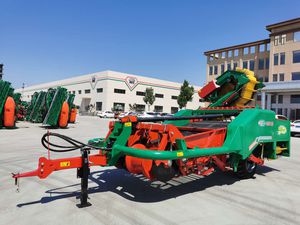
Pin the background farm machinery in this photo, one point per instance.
(53, 108)
(7, 105)
(228, 135)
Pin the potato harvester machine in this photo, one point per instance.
(228, 135)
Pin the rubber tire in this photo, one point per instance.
(246, 169)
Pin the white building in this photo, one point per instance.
(108, 89)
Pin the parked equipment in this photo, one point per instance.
(52, 108)
(228, 135)
(7, 105)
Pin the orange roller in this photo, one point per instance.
(138, 165)
(64, 116)
(73, 115)
(9, 113)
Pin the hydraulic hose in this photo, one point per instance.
(73, 144)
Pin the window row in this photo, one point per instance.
(280, 76)
(279, 58)
(236, 52)
(294, 99)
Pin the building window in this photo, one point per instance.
(174, 110)
(140, 93)
(261, 63)
(229, 53)
(119, 106)
(276, 40)
(267, 63)
(99, 106)
(73, 92)
(228, 66)
(235, 65)
(261, 48)
(215, 70)
(296, 76)
(222, 68)
(297, 36)
(236, 52)
(119, 91)
(252, 65)
(258, 97)
(295, 99)
(246, 51)
(174, 97)
(99, 90)
(268, 46)
(158, 108)
(245, 65)
(79, 92)
(283, 39)
(275, 59)
(296, 56)
(210, 70)
(159, 95)
(281, 77)
(140, 108)
(216, 55)
(266, 79)
(275, 77)
(223, 54)
(87, 91)
(280, 99)
(282, 58)
(252, 49)
(273, 99)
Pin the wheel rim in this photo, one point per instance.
(250, 166)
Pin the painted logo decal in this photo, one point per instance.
(264, 123)
(281, 130)
(131, 82)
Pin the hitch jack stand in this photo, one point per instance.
(84, 173)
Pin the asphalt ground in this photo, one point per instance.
(117, 197)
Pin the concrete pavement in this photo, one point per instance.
(118, 197)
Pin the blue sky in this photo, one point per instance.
(42, 41)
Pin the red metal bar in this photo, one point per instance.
(47, 166)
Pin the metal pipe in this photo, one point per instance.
(119, 150)
(163, 118)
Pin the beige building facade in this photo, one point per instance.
(275, 61)
(110, 89)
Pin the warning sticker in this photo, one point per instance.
(179, 154)
(128, 124)
(65, 164)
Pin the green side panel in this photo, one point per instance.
(52, 115)
(31, 105)
(38, 111)
(253, 127)
(70, 100)
(5, 90)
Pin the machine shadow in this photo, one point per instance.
(137, 188)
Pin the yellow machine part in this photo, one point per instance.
(279, 150)
(248, 89)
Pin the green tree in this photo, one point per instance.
(186, 94)
(149, 98)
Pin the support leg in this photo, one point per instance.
(83, 173)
